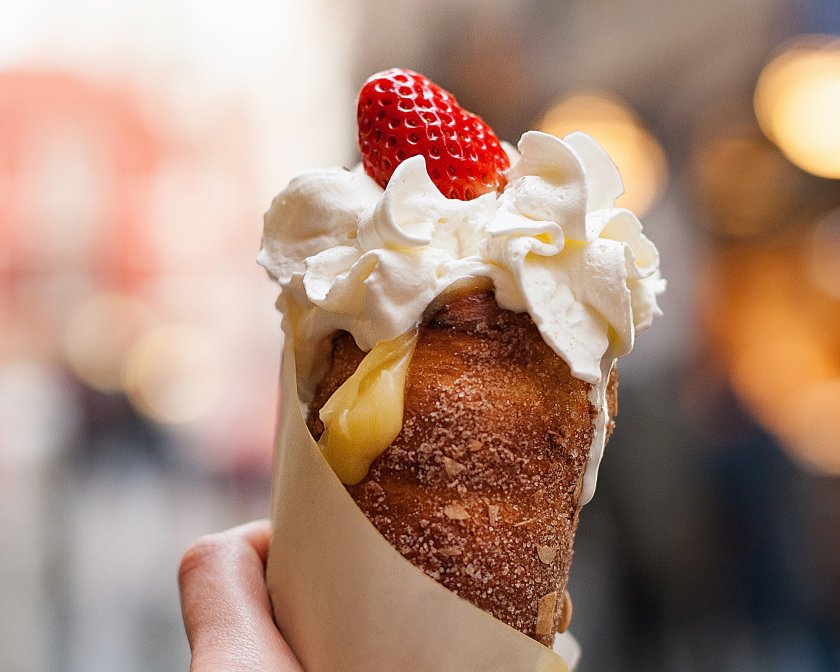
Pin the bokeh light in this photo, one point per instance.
(616, 127)
(779, 340)
(173, 374)
(797, 99)
(98, 335)
(746, 187)
(824, 254)
(772, 374)
(813, 434)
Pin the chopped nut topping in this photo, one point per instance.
(375, 495)
(545, 614)
(449, 551)
(452, 467)
(476, 445)
(373, 488)
(547, 553)
(455, 512)
(523, 522)
(493, 513)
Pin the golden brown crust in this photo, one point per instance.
(346, 357)
(480, 488)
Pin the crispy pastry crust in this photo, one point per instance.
(480, 488)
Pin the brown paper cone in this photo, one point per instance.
(346, 600)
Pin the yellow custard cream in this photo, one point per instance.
(364, 416)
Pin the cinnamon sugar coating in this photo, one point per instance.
(480, 488)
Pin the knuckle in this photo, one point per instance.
(204, 553)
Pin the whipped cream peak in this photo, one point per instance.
(401, 218)
(412, 213)
(319, 209)
(562, 180)
(603, 181)
(548, 184)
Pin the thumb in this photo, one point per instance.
(227, 613)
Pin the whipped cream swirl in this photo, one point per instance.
(354, 257)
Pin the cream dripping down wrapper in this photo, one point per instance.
(352, 256)
(346, 601)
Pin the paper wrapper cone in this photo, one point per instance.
(346, 601)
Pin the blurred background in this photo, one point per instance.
(140, 143)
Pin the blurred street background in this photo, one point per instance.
(140, 143)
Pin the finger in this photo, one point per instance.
(257, 534)
(227, 613)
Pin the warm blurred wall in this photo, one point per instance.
(140, 144)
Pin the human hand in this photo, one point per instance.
(224, 601)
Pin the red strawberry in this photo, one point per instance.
(402, 113)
